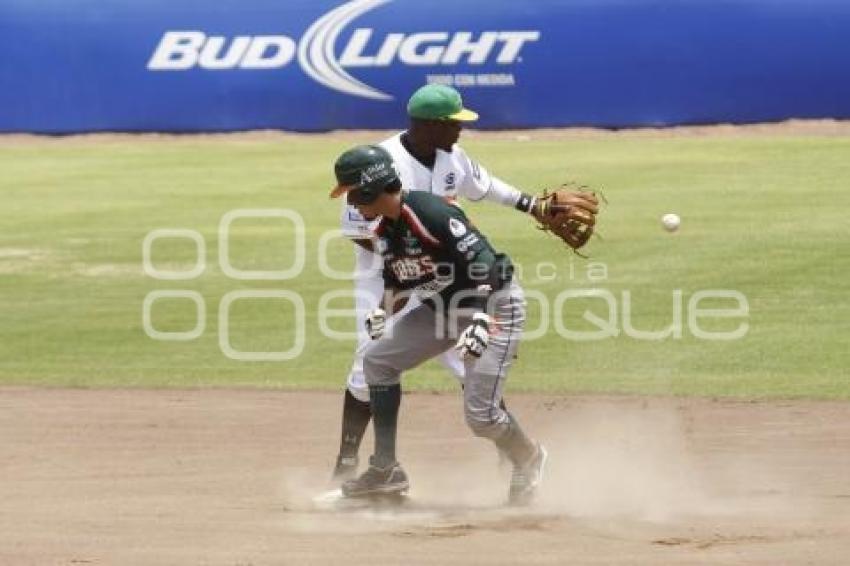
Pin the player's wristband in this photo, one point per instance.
(525, 203)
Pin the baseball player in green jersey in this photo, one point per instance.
(427, 158)
(468, 299)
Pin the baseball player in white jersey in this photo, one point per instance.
(427, 158)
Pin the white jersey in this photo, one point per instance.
(454, 175)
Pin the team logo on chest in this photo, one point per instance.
(412, 246)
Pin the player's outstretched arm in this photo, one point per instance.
(568, 212)
(478, 184)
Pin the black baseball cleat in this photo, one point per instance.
(345, 469)
(526, 479)
(391, 480)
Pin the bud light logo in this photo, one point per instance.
(316, 51)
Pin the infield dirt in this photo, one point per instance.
(226, 477)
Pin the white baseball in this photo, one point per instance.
(671, 221)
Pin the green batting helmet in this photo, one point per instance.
(364, 172)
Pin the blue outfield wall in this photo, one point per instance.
(201, 65)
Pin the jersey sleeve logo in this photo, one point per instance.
(466, 244)
(450, 181)
(456, 227)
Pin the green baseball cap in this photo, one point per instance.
(439, 102)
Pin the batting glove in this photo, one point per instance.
(473, 341)
(376, 322)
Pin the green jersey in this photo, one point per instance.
(433, 250)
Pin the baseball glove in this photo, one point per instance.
(568, 212)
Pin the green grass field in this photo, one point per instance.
(764, 216)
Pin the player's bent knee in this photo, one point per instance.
(378, 371)
(485, 425)
(359, 393)
(356, 383)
